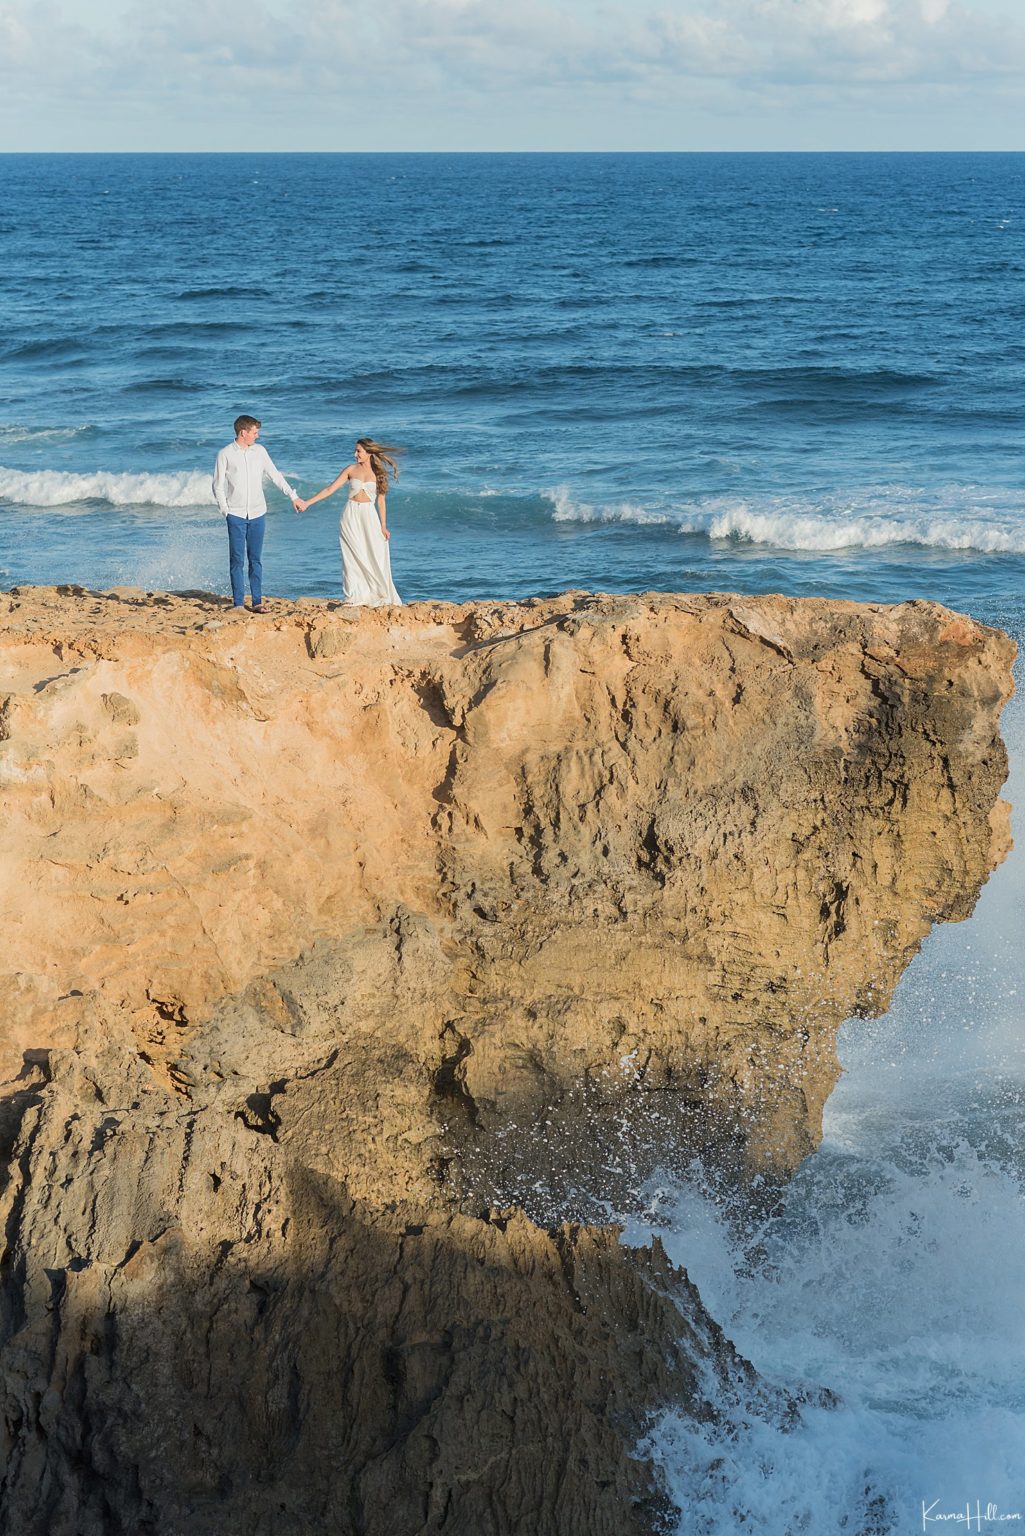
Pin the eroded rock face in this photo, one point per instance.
(358, 959)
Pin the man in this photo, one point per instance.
(238, 491)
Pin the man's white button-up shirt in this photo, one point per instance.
(238, 480)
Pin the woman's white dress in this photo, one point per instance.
(366, 559)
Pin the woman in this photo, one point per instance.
(363, 531)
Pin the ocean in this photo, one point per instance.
(788, 373)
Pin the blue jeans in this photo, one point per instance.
(245, 537)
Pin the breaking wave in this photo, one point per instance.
(865, 530)
(951, 518)
(57, 488)
(565, 510)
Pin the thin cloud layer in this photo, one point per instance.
(452, 54)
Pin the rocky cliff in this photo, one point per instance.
(356, 963)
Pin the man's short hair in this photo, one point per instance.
(243, 423)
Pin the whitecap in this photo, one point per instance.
(16, 432)
(58, 488)
(953, 517)
(786, 527)
(945, 518)
(566, 510)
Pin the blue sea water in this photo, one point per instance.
(797, 373)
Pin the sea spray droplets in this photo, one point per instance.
(888, 1274)
(54, 488)
(767, 1479)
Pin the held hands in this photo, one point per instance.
(299, 504)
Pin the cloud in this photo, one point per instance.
(454, 50)
(38, 43)
(818, 41)
(492, 44)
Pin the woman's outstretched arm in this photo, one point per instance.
(328, 490)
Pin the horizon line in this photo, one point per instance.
(483, 153)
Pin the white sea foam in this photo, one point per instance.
(864, 529)
(951, 517)
(565, 510)
(57, 488)
(14, 432)
(892, 1280)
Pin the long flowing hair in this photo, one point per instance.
(382, 458)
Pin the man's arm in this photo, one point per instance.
(272, 472)
(220, 480)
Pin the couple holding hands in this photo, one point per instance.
(363, 533)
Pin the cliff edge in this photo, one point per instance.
(356, 962)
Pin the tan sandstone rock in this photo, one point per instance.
(360, 957)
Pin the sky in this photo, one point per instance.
(512, 75)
